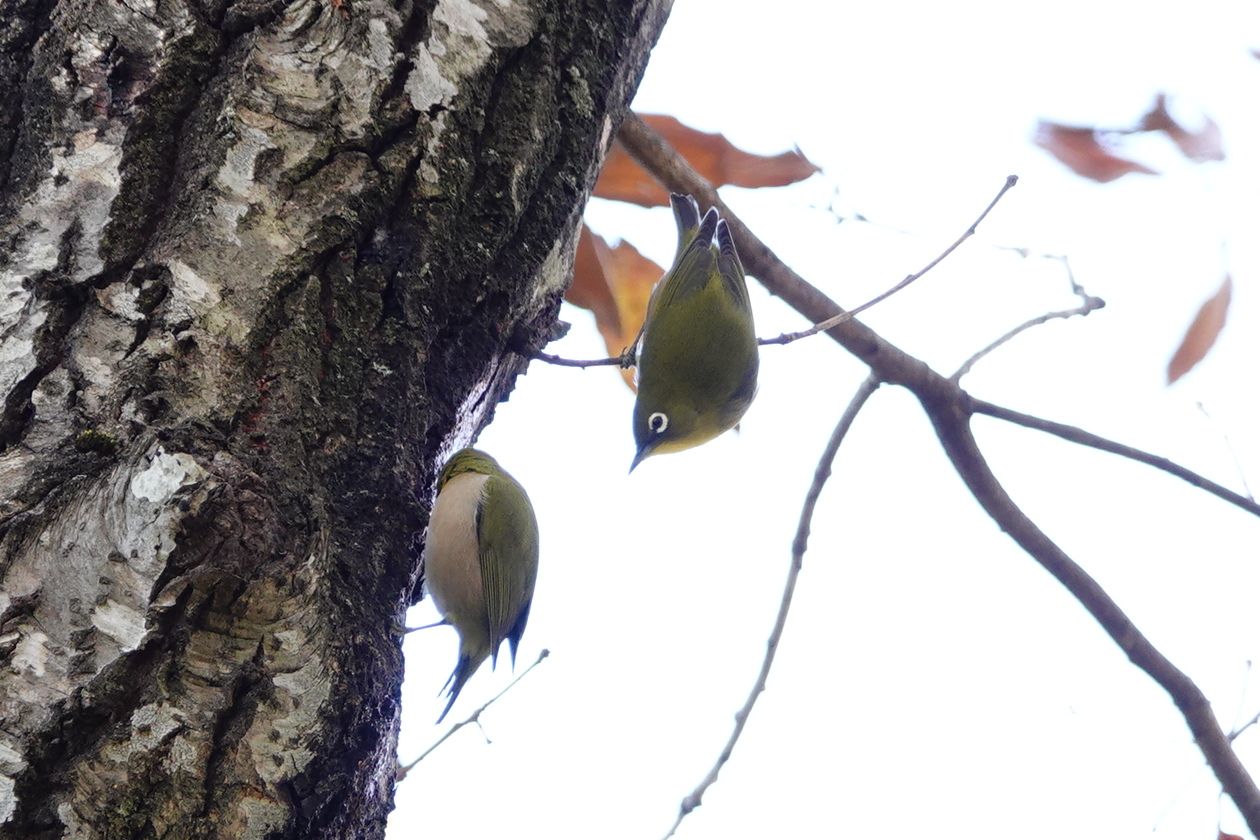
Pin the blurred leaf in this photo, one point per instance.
(615, 284)
(712, 155)
(590, 290)
(1201, 335)
(1202, 145)
(1082, 151)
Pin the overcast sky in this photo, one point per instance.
(932, 681)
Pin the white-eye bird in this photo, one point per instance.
(480, 560)
(697, 354)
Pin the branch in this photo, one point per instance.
(841, 317)
(475, 717)
(1089, 304)
(579, 363)
(950, 409)
(1084, 438)
(693, 800)
(952, 427)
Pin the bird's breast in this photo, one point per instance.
(452, 567)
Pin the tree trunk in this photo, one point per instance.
(261, 267)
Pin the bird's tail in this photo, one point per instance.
(690, 225)
(465, 668)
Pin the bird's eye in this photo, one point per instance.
(658, 422)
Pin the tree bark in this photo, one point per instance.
(262, 265)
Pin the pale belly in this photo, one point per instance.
(452, 568)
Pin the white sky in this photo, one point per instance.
(933, 681)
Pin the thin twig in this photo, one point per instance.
(577, 363)
(475, 717)
(1084, 438)
(1023, 251)
(799, 545)
(627, 359)
(841, 317)
(950, 410)
(1240, 730)
(1242, 698)
(1088, 305)
(1233, 454)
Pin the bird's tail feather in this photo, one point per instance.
(464, 669)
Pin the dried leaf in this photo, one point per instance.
(712, 155)
(615, 284)
(1199, 146)
(589, 289)
(1203, 331)
(1082, 151)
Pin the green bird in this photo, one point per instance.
(480, 560)
(697, 354)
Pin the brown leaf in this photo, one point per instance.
(1201, 335)
(615, 284)
(1220, 835)
(1081, 150)
(1202, 145)
(713, 156)
(589, 289)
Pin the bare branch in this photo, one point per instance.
(1088, 305)
(952, 427)
(627, 359)
(475, 717)
(841, 317)
(950, 408)
(577, 363)
(1084, 438)
(799, 545)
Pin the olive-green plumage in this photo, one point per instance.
(697, 358)
(480, 559)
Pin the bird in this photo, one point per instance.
(697, 352)
(480, 560)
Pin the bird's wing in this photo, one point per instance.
(508, 549)
(730, 268)
(691, 270)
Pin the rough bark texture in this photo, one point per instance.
(261, 265)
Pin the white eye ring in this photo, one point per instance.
(658, 422)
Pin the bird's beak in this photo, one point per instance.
(643, 452)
